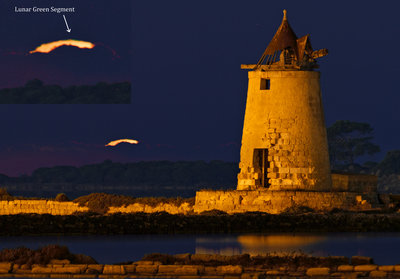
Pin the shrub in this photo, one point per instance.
(61, 197)
(101, 202)
(43, 256)
(4, 195)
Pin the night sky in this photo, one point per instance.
(188, 91)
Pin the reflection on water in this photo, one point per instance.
(383, 247)
(281, 244)
(261, 244)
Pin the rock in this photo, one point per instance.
(387, 268)
(167, 269)
(378, 273)
(5, 267)
(96, 267)
(41, 269)
(114, 269)
(189, 270)
(345, 268)
(210, 270)
(131, 268)
(70, 269)
(359, 260)
(365, 267)
(146, 269)
(144, 263)
(318, 271)
(230, 269)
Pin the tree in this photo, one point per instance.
(34, 84)
(390, 164)
(348, 140)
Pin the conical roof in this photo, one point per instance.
(283, 38)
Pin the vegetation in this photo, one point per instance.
(291, 260)
(348, 140)
(101, 202)
(390, 164)
(150, 173)
(35, 92)
(61, 197)
(4, 195)
(43, 256)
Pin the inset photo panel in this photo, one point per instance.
(65, 52)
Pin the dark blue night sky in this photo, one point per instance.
(189, 92)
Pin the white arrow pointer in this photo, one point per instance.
(68, 29)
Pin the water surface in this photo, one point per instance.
(383, 247)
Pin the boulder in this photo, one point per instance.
(146, 269)
(5, 267)
(229, 269)
(318, 271)
(114, 269)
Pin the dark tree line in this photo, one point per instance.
(151, 173)
(348, 140)
(35, 92)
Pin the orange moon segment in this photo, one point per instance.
(115, 142)
(48, 47)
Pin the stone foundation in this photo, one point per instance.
(360, 183)
(334, 267)
(275, 202)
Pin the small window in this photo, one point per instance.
(265, 83)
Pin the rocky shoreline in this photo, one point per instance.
(210, 266)
(209, 222)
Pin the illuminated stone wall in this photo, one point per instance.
(279, 201)
(68, 208)
(39, 207)
(360, 183)
(184, 208)
(286, 120)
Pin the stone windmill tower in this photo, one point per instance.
(284, 143)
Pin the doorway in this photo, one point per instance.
(261, 165)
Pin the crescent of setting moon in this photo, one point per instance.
(48, 47)
(116, 142)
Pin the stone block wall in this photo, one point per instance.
(324, 267)
(40, 207)
(286, 120)
(69, 208)
(361, 183)
(184, 208)
(276, 202)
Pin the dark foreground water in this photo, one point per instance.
(383, 247)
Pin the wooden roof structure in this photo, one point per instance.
(298, 52)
